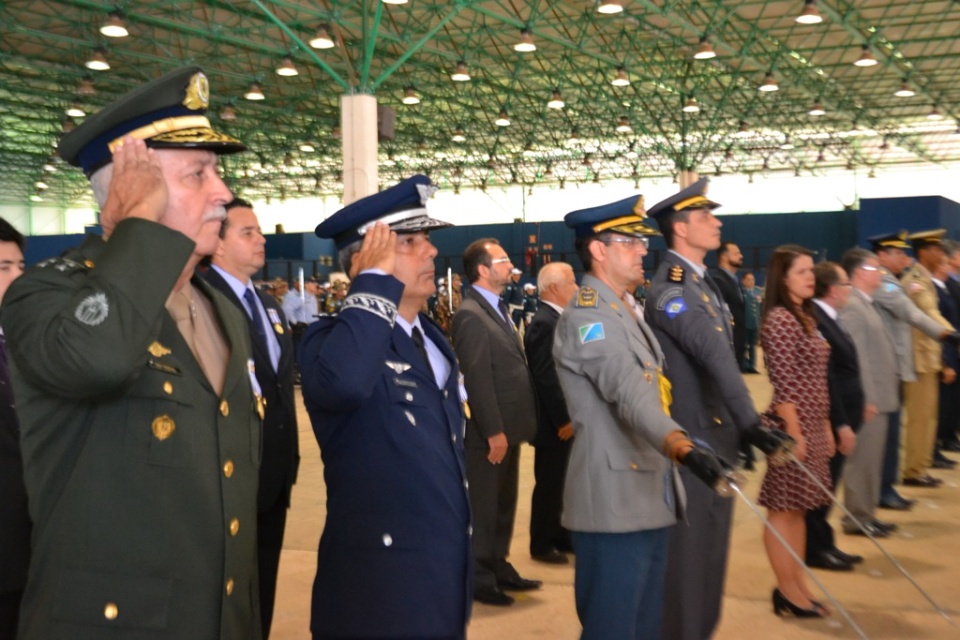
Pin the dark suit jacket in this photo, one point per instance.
(950, 309)
(14, 521)
(281, 448)
(538, 344)
(499, 386)
(733, 296)
(394, 558)
(843, 374)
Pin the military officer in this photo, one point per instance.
(141, 437)
(382, 387)
(513, 297)
(686, 312)
(622, 491)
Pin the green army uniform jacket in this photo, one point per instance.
(142, 481)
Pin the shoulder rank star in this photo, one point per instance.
(676, 274)
(587, 297)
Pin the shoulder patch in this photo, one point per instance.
(676, 274)
(377, 305)
(93, 309)
(668, 296)
(890, 286)
(587, 297)
(675, 307)
(591, 332)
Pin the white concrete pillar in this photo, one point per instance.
(687, 178)
(358, 122)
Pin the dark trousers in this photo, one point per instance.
(948, 419)
(618, 584)
(819, 532)
(749, 356)
(549, 469)
(493, 500)
(270, 526)
(891, 458)
(9, 614)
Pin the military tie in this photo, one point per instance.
(258, 328)
(422, 348)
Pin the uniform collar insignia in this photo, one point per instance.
(398, 367)
(157, 350)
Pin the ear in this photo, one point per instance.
(598, 250)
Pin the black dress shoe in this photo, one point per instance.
(830, 561)
(852, 558)
(868, 528)
(519, 584)
(922, 481)
(551, 557)
(492, 596)
(943, 463)
(889, 527)
(897, 504)
(951, 445)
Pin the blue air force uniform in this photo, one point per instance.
(394, 558)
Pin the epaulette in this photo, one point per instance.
(676, 274)
(64, 264)
(587, 298)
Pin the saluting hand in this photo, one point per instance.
(137, 186)
(378, 251)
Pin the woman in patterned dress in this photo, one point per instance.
(796, 358)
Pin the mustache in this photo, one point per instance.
(216, 214)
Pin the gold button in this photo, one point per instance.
(229, 586)
(168, 387)
(717, 420)
(720, 329)
(110, 611)
(224, 408)
(163, 427)
(633, 465)
(228, 468)
(234, 526)
(89, 265)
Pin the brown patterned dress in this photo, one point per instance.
(797, 365)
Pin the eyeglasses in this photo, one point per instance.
(499, 261)
(631, 241)
(867, 267)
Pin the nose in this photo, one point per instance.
(220, 193)
(431, 250)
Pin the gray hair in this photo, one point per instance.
(551, 273)
(345, 255)
(854, 259)
(100, 183)
(950, 247)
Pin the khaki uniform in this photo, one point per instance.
(921, 396)
(142, 480)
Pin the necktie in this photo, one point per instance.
(421, 347)
(505, 312)
(259, 329)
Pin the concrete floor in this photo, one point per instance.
(881, 601)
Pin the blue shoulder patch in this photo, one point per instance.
(675, 307)
(890, 286)
(591, 333)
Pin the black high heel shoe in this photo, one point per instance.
(781, 605)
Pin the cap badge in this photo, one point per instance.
(587, 297)
(198, 93)
(426, 192)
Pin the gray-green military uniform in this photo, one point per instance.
(142, 480)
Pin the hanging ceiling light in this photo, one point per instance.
(623, 126)
(394, 1)
(934, 114)
(525, 45)
(817, 110)
(306, 147)
(86, 87)
(74, 111)
(621, 79)
(691, 106)
(705, 50)
(866, 58)
(460, 74)
(502, 119)
(410, 96)
(610, 7)
(98, 61)
(36, 198)
(743, 130)
(49, 167)
(286, 68)
(228, 114)
(810, 13)
(556, 102)
(40, 184)
(787, 145)
(904, 91)
(254, 93)
(114, 27)
(769, 84)
(574, 138)
(458, 135)
(322, 39)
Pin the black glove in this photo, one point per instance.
(953, 339)
(709, 468)
(770, 441)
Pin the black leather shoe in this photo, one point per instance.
(852, 558)
(493, 596)
(519, 584)
(551, 557)
(897, 504)
(889, 527)
(830, 561)
(943, 463)
(951, 445)
(872, 530)
(922, 481)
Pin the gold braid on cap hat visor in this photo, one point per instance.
(696, 201)
(606, 225)
(181, 129)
